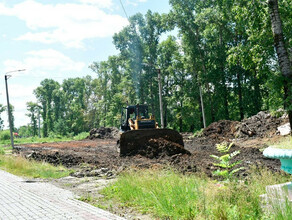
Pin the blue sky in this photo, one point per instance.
(57, 39)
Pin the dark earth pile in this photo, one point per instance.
(152, 143)
(103, 133)
(220, 129)
(262, 124)
(160, 148)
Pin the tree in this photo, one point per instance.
(11, 117)
(33, 109)
(138, 44)
(2, 109)
(283, 57)
(45, 94)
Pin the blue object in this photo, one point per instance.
(284, 155)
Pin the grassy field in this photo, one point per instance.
(171, 195)
(5, 140)
(22, 167)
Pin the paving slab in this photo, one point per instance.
(21, 199)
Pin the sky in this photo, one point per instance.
(57, 39)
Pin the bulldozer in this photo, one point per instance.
(138, 128)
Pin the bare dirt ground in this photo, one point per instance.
(100, 150)
(97, 161)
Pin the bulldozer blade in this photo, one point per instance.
(135, 141)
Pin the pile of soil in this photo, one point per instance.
(221, 129)
(56, 158)
(103, 133)
(160, 148)
(152, 143)
(262, 124)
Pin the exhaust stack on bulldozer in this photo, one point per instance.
(141, 132)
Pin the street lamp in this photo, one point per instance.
(8, 105)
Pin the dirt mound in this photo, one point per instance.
(152, 143)
(159, 148)
(56, 158)
(103, 133)
(262, 124)
(220, 129)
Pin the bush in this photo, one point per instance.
(5, 135)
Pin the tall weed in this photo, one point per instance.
(171, 195)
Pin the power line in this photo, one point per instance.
(124, 10)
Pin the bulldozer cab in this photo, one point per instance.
(133, 112)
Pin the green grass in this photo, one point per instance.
(22, 167)
(171, 195)
(284, 143)
(2, 151)
(5, 142)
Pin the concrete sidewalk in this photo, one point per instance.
(20, 199)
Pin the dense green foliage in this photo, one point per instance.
(225, 49)
(170, 195)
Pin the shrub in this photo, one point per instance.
(5, 135)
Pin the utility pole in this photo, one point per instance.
(202, 104)
(160, 98)
(9, 113)
(8, 105)
(39, 123)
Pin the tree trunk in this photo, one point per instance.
(283, 58)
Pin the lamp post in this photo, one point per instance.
(8, 105)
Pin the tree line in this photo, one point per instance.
(223, 64)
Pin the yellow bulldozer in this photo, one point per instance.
(138, 128)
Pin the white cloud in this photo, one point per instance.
(42, 61)
(69, 24)
(99, 3)
(135, 2)
(19, 94)
(39, 65)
